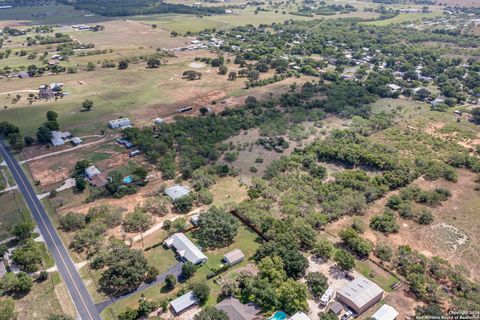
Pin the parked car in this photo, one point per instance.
(347, 315)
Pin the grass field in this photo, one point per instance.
(13, 211)
(404, 17)
(48, 14)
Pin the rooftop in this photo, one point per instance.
(184, 302)
(185, 248)
(360, 291)
(177, 192)
(299, 316)
(237, 310)
(386, 312)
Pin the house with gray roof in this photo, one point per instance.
(119, 123)
(360, 294)
(91, 171)
(183, 303)
(185, 248)
(58, 138)
(237, 310)
(177, 191)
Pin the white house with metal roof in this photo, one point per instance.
(360, 294)
(183, 303)
(176, 192)
(91, 171)
(119, 123)
(386, 312)
(185, 248)
(58, 138)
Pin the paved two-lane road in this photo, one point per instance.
(81, 298)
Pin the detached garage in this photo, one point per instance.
(360, 294)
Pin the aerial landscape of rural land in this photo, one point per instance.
(240, 159)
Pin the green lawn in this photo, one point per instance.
(380, 276)
(404, 17)
(13, 212)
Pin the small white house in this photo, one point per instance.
(91, 171)
(183, 303)
(119, 123)
(185, 248)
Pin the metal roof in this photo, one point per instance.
(176, 192)
(58, 137)
(184, 302)
(91, 171)
(234, 256)
(360, 291)
(386, 312)
(237, 310)
(185, 248)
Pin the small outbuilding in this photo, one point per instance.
(176, 192)
(233, 257)
(183, 303)
(393, 87)
(158, 121)
(386, 312)
(76, 141)
(360, 294)
(194, 219)
(91, 171)
(58, 138)
(335, 308)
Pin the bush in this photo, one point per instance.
(385, 223)
(188, 270)
(425, 216)
(72, 221)
(383, 252)
(317, 283)
(170, 281)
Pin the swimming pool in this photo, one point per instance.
(279, 315)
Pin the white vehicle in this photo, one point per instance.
(327, 296)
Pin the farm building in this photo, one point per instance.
(360, 294)
(58, 137)
(299, 316)
(176, 192)
(194, 219)
(183, 303)
(119, 123)
(393, 87)
(233, 257)
(98, 180)
(386, 312)
(237, 310)
(76, 141)
(185, 248)
(91, 171)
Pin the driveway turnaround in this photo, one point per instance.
(78, 292)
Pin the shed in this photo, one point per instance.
(233, 257)
(176, 192)
(184, 302)
(194, 219)
(360, 294)
(98, 180)
(237, 310)
(299, 316)
(335, 308)
(393, 87)
(158, 121)
(76, 141)
(185, 248)
(91, 171)
(386, 312)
